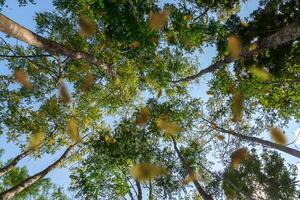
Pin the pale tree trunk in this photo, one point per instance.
(266, 143)
(10, 193)
(13, 29)
(286, 34)
(187, 168)
(14, 162)
(139, 189)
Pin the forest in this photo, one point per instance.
(150, 99)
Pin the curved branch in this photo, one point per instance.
(287, 34)
(19, 32)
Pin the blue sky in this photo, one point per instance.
(24, 16)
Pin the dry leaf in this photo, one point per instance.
(234, 46)
(214, 125)
(87, 26)
(259, 72)
(36, 140)
(170, 128)
(190, 178)
(252, 47)
(244, 24)
(158, 19)
(64, 94)
(220, 137)
(72, 130)
(278, 136)
(238, 156)
(147, 171)
(88, 82)
(187, 17)
(143, 116)
(109, 140)
(22, 78)
(159, 93)
(237, 106)
(210, 92)
(134, 45)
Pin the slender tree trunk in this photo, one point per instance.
(187, 168)
(286, 34)
(130, 195)
(150, 191)
(10, 193)
(266, 143)
(19, 32)
(139, 189)
(14, 162)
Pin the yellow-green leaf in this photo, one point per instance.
(73, 130)
(36, 140)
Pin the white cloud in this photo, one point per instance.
(297, 135)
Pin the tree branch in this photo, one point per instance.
(286, 34)
(19, 32)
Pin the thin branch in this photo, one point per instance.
(25, 56)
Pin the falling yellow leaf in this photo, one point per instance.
(190, 178)
(170, 128)
(259, 72)
(198, 114)
(36, 140)
(88, 82)
(143, 116)
(87, 26)
(158, 19)
(237, 106)
(134, 45)
(22, 78)
(72, 130)
(210, 92)
(187, 17)
(238, 156)
(278, 136)
(64, 94)
(109, 140)
(117, 82)
(245, 24)
(252, 47)
(159, 93)
(220, 137)
(147, 171)
(234, 46)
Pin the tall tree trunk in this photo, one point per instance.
(14, 162)
(286, 34)
(187, 168)
(266, 143)
(19, 32)
(150, 191)
(10, 193)
(139, 189)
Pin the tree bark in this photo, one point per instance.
(187, 168)
(14, 162)
(13, 29)
(10, 193)
(139, 189)
(266, 143)
(287, 34)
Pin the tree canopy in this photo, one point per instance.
(107, 85)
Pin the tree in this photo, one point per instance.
(102, 57)
(262, 177)
(42, 189)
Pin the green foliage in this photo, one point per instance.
(265, 177)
